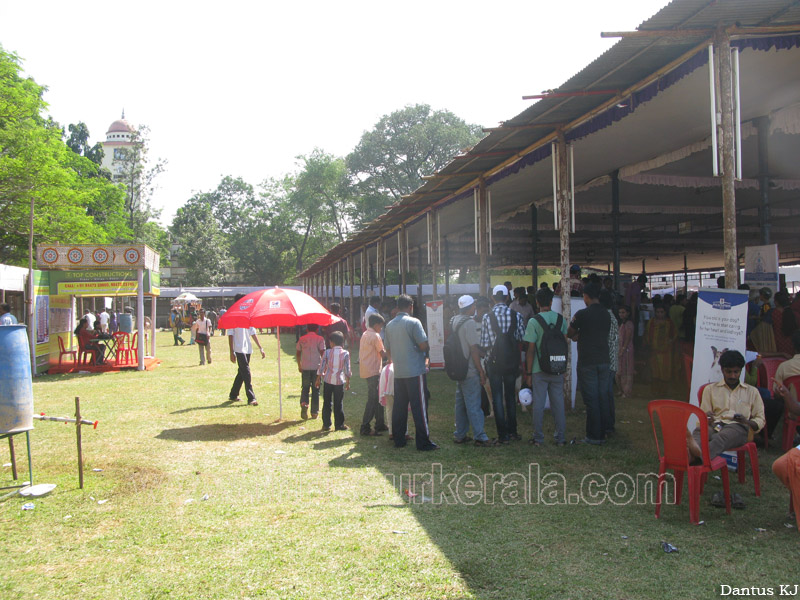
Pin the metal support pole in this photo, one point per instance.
(762, 124)
(534, 249)
(140, 317)
(483, 246)
(446, 268)
(433, 224)
(402, 249)
(685, 276)
(615, 225)
(419, 279)
(728, 163)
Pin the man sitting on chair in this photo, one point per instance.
(734, 409)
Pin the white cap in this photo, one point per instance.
(525, 397)
(500, 289)
(465, 301)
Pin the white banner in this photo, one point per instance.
(575, 304)
(761, 267)
(721, 325)
(435, 312)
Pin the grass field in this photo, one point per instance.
(292, 512)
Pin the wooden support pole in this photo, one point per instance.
(363, 281)
(13, 457)
(723, 45)
(78, 437)
(564, 224)
(483, 241)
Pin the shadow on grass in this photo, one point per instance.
(226, 404)
(223, 432)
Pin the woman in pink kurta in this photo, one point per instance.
(625, 363)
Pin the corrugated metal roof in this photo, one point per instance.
(628, 64)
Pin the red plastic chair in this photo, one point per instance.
(123, 347)
(749, 447)
(790, 424)
(62, 351)
(673, 417)
(135, 347)
(766, 371)
(85, 357)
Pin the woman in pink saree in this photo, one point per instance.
(625, 364)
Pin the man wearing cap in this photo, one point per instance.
(407, 346)
(468, 391)
(502, 377)
(543, 384)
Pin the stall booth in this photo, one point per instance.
(67, 274)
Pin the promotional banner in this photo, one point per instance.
(761, 267)
(721, 325)
(435, 312)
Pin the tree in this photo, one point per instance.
(390, 161)
(37, 168)
(78, 142)
(204, 249)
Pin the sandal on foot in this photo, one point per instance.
(463, 440)
(486, 443)
(718, 500)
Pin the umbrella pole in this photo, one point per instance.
(280, 387)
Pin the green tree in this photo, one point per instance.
(78, 142)
(204, 249)
(390, 161)
(37, 168)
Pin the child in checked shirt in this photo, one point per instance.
(335, 372)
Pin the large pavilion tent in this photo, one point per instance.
(637, 123)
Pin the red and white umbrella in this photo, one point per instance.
(276, 307)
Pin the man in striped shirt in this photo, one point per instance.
(335, 372)
(502, 371)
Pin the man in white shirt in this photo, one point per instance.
(241, 349)
(104, 318)
(90, 318)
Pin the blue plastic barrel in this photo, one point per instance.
(126, 322)
(16, 387)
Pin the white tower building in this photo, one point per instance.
(118, 136)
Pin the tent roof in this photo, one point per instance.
(645, 114)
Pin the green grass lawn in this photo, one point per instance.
(293, 512)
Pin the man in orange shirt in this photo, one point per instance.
(370, 358)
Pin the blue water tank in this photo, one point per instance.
(16, 386)
(126, 322)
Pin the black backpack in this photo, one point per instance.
(504, 358)
(455, 363)
(553, 357)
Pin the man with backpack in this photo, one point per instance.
(546, 363)
(462, 361)
(501, 332)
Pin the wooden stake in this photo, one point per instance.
(78, 436)
(564, 221)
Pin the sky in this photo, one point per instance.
(243, 88)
